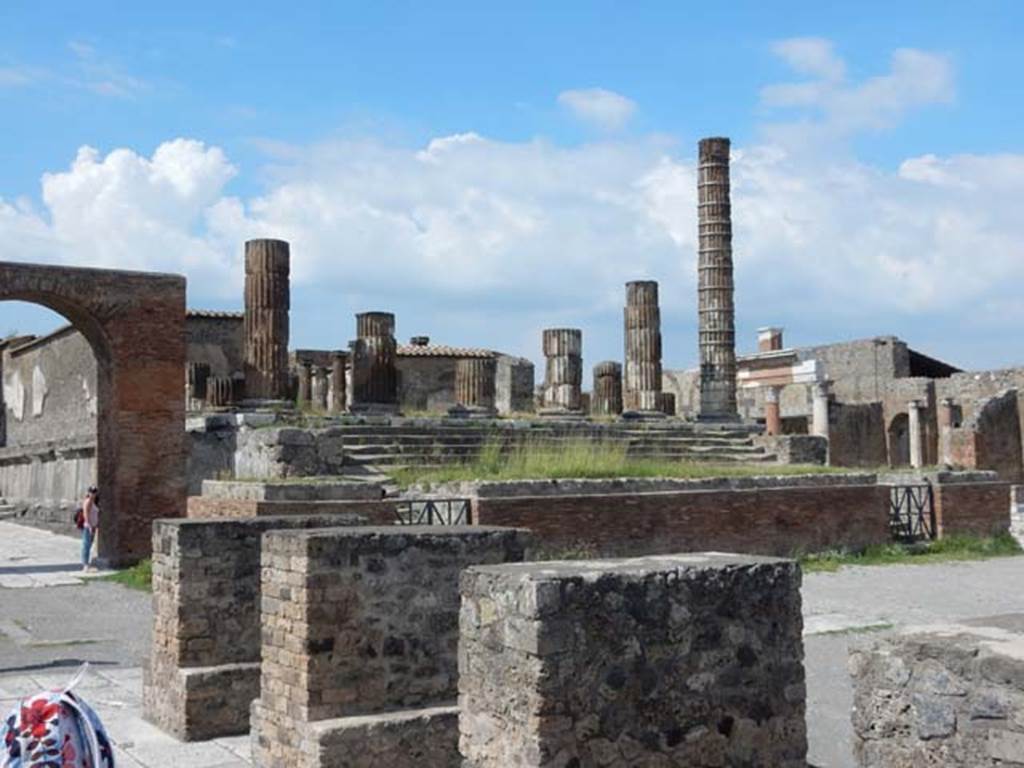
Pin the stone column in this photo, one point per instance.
(717, 332)
(772, 413)
(197, 376)
(563, 348)
(305, 394)
(219, 391)
(946, 419)
(338, 388)
(607, 398)
(320, 378)
(642, 378)
(267, 301)
(819, 412)
(475, 387)
(374, 355)
(914, 428)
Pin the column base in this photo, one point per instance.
(560, 413)
(375, 409)
(644, 416)
(472, 412)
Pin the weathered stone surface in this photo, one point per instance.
(339, 385)
(267, 302)
(206, 622)
(361, 621)
(607, 397)
(135, 324)
(717, 329)
(949, 695)
(563, 349)
(691, 660)
(642, 378)
(475, 384)
(373, 353)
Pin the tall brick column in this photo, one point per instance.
(642, 380)
(607, 397)
(374, 353)
(772, 412)
(267, 301)
(563, 348)
(475, 387)
(338, 387)
(717, 330)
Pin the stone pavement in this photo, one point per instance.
(52, 634)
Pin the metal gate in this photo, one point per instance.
(912, 512)
(433, 512)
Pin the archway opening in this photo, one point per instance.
(899, 441)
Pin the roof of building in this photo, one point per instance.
(442, 350)
(214, 314)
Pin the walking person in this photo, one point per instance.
(90, 525)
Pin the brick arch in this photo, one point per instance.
(135, 324)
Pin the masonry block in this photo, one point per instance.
(691, 660)
(362, 622)
(949, 695)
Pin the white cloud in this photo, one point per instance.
(599, 107)
(102, 75)
(16, 77)
(832, 107)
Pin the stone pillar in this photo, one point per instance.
(563, 348)
(717, 331)
(642, 376)
(474, 387)
(219, 392)
(607, 398)
(360, 643)
(320, 385)
(914, 428)
(338, 386)
(305, 394)
(946, 420)
(595, 663)
(772, 411)
(374, 354)
(197, 376)
(819, 406)
(267, 301)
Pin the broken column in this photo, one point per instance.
(633, 663)
(338, 386)
(305, 383)
(267, 301)
(321, 377)
(374, 372)
(915, 437)
(717, 331)
(642, 377)
(360, 639)
(607, 397)
(563, 348)
(772, 411)
(474, 387)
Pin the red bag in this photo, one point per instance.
(79, 518)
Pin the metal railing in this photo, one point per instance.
(912, 512)
(433, 512)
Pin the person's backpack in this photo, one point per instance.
(78, 517)
(55, 729)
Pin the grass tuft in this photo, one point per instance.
(949, 549)
(582, 459)
(139, 576)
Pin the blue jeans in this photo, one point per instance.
(87, 537)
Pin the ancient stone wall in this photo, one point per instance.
(856, 435)
(475, 384)
(970, 507)
(690, 660)
(763, 520)
(49, 389)
(514, 385)
(358, 626)
(203, 508)
(46, 481)
(204, 665)
(217, 339)
(812, 450)
(949, 695)
(990, 437)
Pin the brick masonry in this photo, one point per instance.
(206, 508)
(765, 520)
(975, 508)
(950, 695)
(135, 324)
(204, 663)
(358, 623)
(692, 660)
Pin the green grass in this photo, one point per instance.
(139, 576)
(583, 459)
(945, 550)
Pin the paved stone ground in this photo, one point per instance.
(51, 619)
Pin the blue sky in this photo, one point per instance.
(878, 158)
